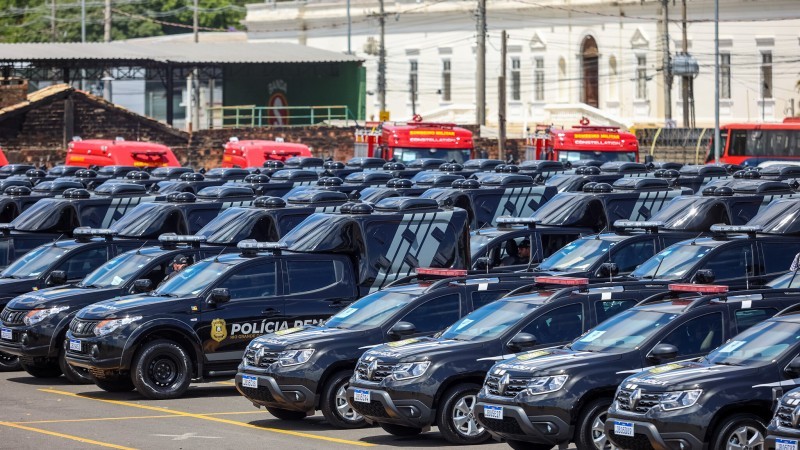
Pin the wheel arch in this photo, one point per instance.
(170, 330)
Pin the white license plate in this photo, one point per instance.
(249, 381)
(5, 333)
(75, 344)
(361, 395)
(493, 412)
(623, 428)
(785, 444)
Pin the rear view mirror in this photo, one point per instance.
(402, 329)
(143, 285)
(219, 296)
(704, 276)
(794, 366)
(57, 278)
(663, 352)
(607, 270)
(522, 342)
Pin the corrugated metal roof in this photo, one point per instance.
(174, 52)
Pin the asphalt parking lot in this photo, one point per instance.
(41, 414)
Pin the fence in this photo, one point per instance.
(276, 116)
(683, 145)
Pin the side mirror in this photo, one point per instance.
(607, 270)
(794, 367)
(482, 263)
(522, 342)
(402, 329)
(663, 352)
(704, 276)
(648, 159)
(57, 278)
(143, 285)
(219, 296)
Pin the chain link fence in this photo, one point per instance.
(683, 145)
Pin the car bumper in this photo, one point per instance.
(788, 438)
(516, 424)
(646, 435)
(269, 393)
(27, 344)
(383, 409)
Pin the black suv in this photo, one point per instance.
(34, 324)
(410, 385)
(552, 397)
(293, 375)
(724, 399)
(782, 432)
(198, 324)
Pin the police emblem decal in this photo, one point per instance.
(219, 330)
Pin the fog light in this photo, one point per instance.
(95, 351)
(24, 339)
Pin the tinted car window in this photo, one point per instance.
(746, 318)
(84, 262)
(253, 281)
(435, 314)
(307, 276)
(481, 298)
(551, 243)
(630, 256)
(611, 308)
(778, 257)
(699, 335)
(559, 325)
(732, 263)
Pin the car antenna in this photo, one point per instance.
(696, 237)
(216, 258)
(597, 236)
(57, 239)
(138, 250)
(530, 261)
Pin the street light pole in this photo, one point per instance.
(716, 81)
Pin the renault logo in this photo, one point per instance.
(503, 383)
(636, 395)
(371, 368)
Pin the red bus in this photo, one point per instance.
(253, 153)
(414, 140)
(750, 144)
(603, 143)
(119, 152)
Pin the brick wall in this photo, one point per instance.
(12, 91)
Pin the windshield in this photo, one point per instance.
(563, 209)
(577, 255)
(625, 331)
(322, 232)
(116, 271)
(489, 321)
(576, 155)
(672, 263)
(406, 155)
(143, 220)
(231, 226)
(42, 215)
(790, 280)
(478, 241)
(762, 343)
(372, 195)
(370, 311)
(690, 212)
(193, 279)
(33, 263)
(560, 181)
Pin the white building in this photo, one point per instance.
(566, 58)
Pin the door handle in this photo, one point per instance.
(269, 312)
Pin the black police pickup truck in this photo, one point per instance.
(294, 374)
(198, 324)
(33, 325)
(723, 400)
(409, 385)
(541, 399)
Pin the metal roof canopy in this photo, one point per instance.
(163, 56)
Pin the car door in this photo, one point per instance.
(734, 266)
(255, 308)
(434, 315)
(629, 255)
(79, 263)
(316, 288)
(556, 326)
(694, 337)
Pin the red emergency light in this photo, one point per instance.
(441, 272)
(699, 288)
(564, 281)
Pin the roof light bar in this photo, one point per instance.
(441, 272)
(699, 288)
(88, 231)
(735, 228)
(644, 224)
(564, 281)
(6, 226)
(252, 244)
(173, 238)
(516, 220)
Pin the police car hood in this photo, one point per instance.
(554, 361)
(16, 285)
(125, 306)
(422, 348)
(52, 297)
(304, 337)
(691, 375)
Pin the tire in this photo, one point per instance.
(161, 370)
(590, 434)
(456, 416)
(522, 445)
(9, 363)
(74, 375)
(285, 414)
(399, 430)
(115, 384)
(738, 428)
(334, 404)
(49, 369)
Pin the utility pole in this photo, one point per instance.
(349, 29)
(480, 61)
(501, 107)
(716, 81)
(687, 122)
(53, 30)
(413, 86)
(382, 60)
(667, 68)
(83, 21)
(195, 22)
(195, 85)
(107, 38)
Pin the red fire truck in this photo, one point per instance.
(584, 141)
(253, 153)
(119, 152)
(3, 159)
(406, 142)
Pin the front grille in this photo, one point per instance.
(260, 358)
(371, 409)
(507, 425)
(640, 405)
(379, 371)
(83, 328)
(261, 393)
(635, 442)
(509, 389)
(784, 415)
(11, 317)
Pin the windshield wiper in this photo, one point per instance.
(725, 363)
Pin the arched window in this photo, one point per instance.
(590, 76)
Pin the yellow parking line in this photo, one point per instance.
(65, 436)
(94, 419)
(213, 419)
(254, 411)
(226, 383)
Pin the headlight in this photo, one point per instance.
(407, 371)
(109, 326)
(679, 399)
(543, 385)
(295, 357)
(37, 315)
